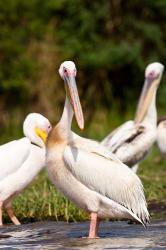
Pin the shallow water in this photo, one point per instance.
(61, 235)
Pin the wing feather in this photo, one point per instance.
(125, 133)
(12, 156)
(13, 183)
(110, 178)
(92, 146)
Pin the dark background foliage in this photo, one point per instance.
(111, 42)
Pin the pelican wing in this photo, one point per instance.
(108, 177)
(125, 133)
(128, 124)
(92, 146)
(83, 141)
(20, 178)
(12, 155)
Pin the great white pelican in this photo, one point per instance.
(21, 160)
(86, 172)
(132, 141)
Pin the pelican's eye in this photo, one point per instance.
(49, 128)
(153, 74)
(65, 75)
(65, 71)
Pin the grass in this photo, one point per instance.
(41, 200)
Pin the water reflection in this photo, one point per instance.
(60, 235)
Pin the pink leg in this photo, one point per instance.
(12, 216)
(1, 205)
(94, 224)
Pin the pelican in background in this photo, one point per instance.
(86, 172)
(132, 141)
(161, 135)
(21, 160)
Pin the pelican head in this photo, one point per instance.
(68, 73)
(36, 127)
(153, 74)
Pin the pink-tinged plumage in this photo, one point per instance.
(132, 141)
(89, 175)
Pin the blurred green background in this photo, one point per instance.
(111, 42)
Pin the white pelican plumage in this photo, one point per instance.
(132, 141)
(86, 172)
(21, 160)
(161, 135)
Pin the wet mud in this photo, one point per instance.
(61, 235)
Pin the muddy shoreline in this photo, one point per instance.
(61, 235)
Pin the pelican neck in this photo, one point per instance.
(67, 116)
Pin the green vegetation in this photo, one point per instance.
(41, 200)
(111, 42)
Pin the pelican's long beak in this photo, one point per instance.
(42, 134)
(72, 93)
(150, 85)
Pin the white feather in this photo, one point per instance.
(21, 160)
(119, 135)
(92, 146)
(110, 178)
(12, 156)
(14, 183)
(161, 137)
(89, 174)
(132, 141)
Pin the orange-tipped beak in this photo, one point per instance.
(74, 99)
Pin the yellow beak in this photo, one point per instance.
(42, 134)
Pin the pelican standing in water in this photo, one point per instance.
(86, 172)
(21, 161)
(161, 135)
(132, 141)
